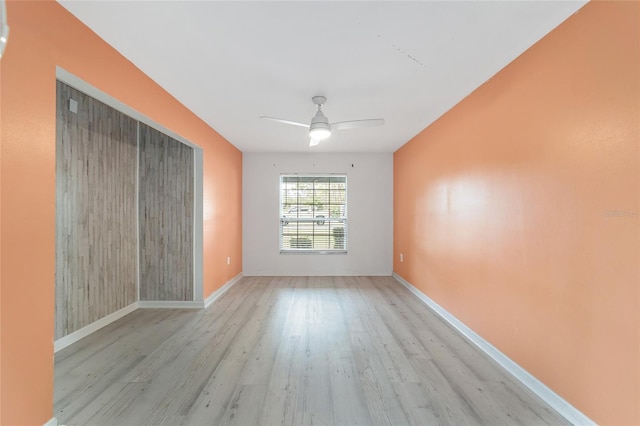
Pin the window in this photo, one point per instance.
(313, 213)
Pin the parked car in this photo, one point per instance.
(304, 211)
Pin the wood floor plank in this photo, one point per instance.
(260, 364)
(217, 394)
(190, 363)
(290, 351)
(79, 380)
(107, 408)
(245, 406)
(380, 397)
(349, 407)
(448, 406)
(283, 389)
(420, 410)
(315, 406)
(395, 362)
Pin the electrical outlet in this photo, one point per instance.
(401, 257)
(228, 260)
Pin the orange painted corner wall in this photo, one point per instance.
(44, 35)
(518, 211)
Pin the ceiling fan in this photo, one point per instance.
(320, 128)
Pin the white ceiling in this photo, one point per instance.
(407, 62)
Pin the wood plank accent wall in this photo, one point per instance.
(96, 244)
(166, 217)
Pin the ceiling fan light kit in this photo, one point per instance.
(320, 128)
(319, 132)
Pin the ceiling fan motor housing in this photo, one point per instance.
(319, 121)
(320, 127)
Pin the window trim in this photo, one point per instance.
(281, 217)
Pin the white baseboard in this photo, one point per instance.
(71, 338)
(307, 274)
(52, 422)
(219, 292)
(170, 304)
(558, 403)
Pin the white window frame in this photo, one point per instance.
(312, 226)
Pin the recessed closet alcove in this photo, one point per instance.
(126, 194)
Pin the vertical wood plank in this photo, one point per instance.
(96, 246)
(166, 217)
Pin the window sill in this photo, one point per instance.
(313, 251)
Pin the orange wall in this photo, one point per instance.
(502, 211)
(44, 35)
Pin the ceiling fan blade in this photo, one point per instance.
(314, 142)
(354, 124)
(295, 123)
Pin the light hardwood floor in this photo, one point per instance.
(290, 351)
